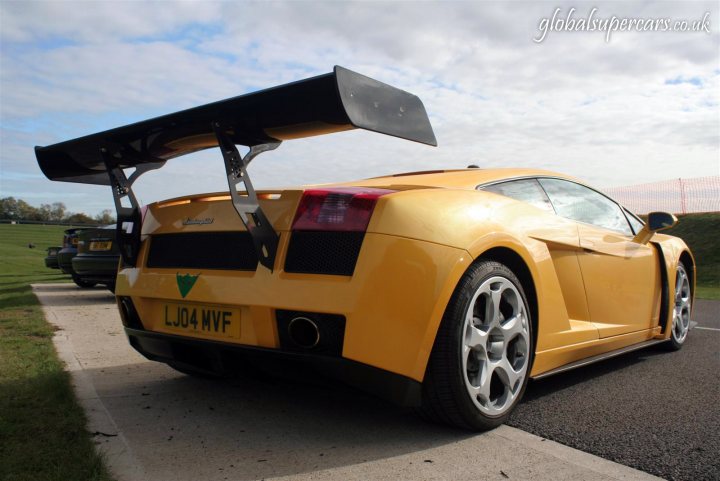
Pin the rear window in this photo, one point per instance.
(525, 190)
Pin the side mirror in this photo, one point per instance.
(657, 221)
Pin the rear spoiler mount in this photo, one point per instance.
(264, 237)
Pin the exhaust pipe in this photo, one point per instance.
(128, 313)
(304, 332)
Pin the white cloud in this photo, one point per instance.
(97, 22)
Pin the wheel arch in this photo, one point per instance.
(517, 264)
(689, 262)
(672, 251)
(440, 398)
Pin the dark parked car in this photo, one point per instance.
(67, 251)
(97, 257)
(66, 254)
(51, 260)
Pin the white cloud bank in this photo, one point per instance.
(640, 108)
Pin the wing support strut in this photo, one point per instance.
(129, 219)
(247, 206)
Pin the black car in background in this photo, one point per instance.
(97, 257)
(66, 254)
(51, 259)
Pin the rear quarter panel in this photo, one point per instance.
(478, 221)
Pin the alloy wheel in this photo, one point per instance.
(681, 312)
(496, 346)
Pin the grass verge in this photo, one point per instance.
(42, 426)
(708, 292)
(699, 231)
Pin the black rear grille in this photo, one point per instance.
(321, 252)
(203, 250)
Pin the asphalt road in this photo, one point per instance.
(653, 410)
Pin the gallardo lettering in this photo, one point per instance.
(198, 319)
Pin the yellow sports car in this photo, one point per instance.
(443, 290)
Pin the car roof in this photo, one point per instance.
(466, 179)
(454, 179)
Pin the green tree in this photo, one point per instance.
(28, 212)
(17, 209)
(9, 208)
(105, 217)
(79, 218)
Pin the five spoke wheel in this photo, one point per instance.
(681, 311)
(495, 345)
(483, 351)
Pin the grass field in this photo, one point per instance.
(42, 427)
(701, 233)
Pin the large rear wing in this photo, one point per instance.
(337, 101)
(341, 100)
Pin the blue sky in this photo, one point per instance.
(639, 108)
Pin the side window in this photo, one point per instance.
(635, 223)
(579, 203)
(526, 190)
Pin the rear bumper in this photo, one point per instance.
(64, 259)
(392, 304)
(96, 268)
(215, 356)
(52, 262)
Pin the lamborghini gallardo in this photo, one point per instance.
(445, 290)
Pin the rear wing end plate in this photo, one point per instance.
(334, 102)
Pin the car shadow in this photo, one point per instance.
(537, 389)
(258, 427)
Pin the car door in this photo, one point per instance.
(621, 277)
(561, 238)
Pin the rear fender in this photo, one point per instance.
(477, 222)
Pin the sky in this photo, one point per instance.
(505, 84)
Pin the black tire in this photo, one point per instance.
(447, 385)
(682, 296)
(82, 283)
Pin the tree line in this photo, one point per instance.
(19, 210)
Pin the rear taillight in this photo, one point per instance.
(345, 209)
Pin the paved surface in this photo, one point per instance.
(156, 424)
(653, 410)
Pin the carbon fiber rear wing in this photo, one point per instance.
(338, 101)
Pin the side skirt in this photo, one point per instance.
(598, 357)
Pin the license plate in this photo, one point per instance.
(100, 245)
(213, 321)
